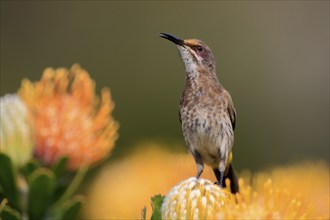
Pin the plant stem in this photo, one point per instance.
(72, 187)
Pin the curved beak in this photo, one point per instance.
(172, 38)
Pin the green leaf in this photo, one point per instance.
(156, 203)
(41, 184)
(144, 213)
(8, 181)
(8, 213)
(29, 167)
(60, 167)
(71, 208)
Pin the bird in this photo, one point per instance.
(206, 112)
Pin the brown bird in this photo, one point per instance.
(207, 112)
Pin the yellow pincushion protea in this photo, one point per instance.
(201, 199)
(268, 202)
(194, 199)
(299, 191)
(69, 118)
(263, 200)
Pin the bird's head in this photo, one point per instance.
(195, 53)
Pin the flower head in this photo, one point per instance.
(269, 197)
(268, 202)
(15, 130)
(194, 199)
(69, 118)
(291, 192)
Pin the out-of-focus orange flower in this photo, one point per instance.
(124, 187)
(69, 118)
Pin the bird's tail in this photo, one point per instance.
(231, 175)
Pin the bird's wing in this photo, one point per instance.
(232, 114)
(180, 117)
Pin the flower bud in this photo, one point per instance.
(15, 130)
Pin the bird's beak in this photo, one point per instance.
(172, 38)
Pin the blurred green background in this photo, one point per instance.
(273, 57)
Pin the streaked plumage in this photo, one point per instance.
(207, 112)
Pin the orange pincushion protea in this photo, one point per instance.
(69, 118)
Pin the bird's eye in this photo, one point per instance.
(199, 48)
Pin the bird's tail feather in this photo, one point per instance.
(231, 175)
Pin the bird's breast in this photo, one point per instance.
(206, 128)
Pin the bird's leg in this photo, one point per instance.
(220, 174)
(199, 163)
(220, 178)
(217, 174)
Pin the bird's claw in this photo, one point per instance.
(220, 185)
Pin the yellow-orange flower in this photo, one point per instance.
(124, 187)
(201, 199)
(299, 191)
(69, 118)
(268, 202)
